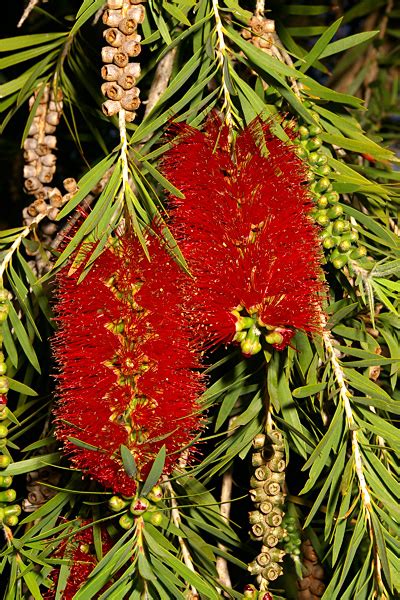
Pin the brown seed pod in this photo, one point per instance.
(30, 171)
(130, 101)
(111, 17)
(112, 90)
(115, 4)
(46, 174)
(131, 45)
(50, 141)
(34, 129)
(48, 160)
(42, 150)
(127, 26)
(129, 116)
(107, 54)
(114, 37)
(56, 198)
(137, 13)
(30, 156)
(49, 128)
(52, 213)
(110, 72)
(32, 184)
(70, 185)
(121, 59)
(30, 144)
(263, 559)
(274, 518)
(111, 107)
(266, 507)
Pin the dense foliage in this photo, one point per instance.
(282, 482)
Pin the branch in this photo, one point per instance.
(225, 510)
(221, 50)
(17, 242)
(187, 559)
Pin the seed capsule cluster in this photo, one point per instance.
(138, 507)
(311, 586)
(123, 43)
(260, 32)
(337, 235)
(268, 496)
(9, 512)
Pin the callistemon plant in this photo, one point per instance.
(245, 229)
(127, 363)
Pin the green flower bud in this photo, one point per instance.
(244, 323)
(352, 236)
(250, 346)
(301, 152)
(156, 494)
(156, 518)
(274, 338)
(322, 218)
(329, 243)
(333, 197)
(322, 185)
(3, 312)
(344, 246)
(254, 568)
(315, 130)
(240, 336)
(313, 158)
(3, 444)
(116, 503)
(139, 506)
(255, 517)
(339, 227)
(3, 368)
(14, 509)
(324, 170)
(3, 412)
(322, 202)
(339, 261)
(5, 481)
(3, 431)
(4, 385)
(3, 295)
(11, 521)
(335, 211)
(8, 495)
(359, 252)
(314, 143)
(303, 132)
(4, 461)
(276, 554)
(2, 515)
(126, 521)
(322, 159)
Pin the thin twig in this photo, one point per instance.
(225, 510)
(177, 522)
(32, 4)
(161, 80)
(345, 395)
(260, 8)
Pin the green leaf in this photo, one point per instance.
(308, 390)
(348, 42)
(320, 46)
(17, 386)
(31, 464)
(177, 13)
(155, 471)
(144, 567)
(23, 338)
(27, 41)
(128, 461)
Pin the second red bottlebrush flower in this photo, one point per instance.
(128, 367)
(245, 230)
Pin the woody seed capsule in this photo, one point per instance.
(127, 26)
(112, 17)
(114, 37)
(130, 101)
(115, 4)
(112, 90)
(131, 46)
(107, 54)
(136, 13)
(110, 72)
(111, 107)
(121, 59)
(70, 185)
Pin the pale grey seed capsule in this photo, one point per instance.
(127, 26)
(52, 213)
(30, 171)
(130, 101)
(137, 13)
(33, 129)
(40, 206)
(111, 107)
(70, 185)
(30, 156)
(115, 4)
(111, 72)
(129, 116)
(49, 128)
(49, 228)
(48, 160)
(46, 174)
(112, 90)
(67, 197)
(42, 150)
(56, 198)
(53, 118)
(121, 59)
(111, 17)
(32, 184)
(51, 141)
(107, 54)
(131, 46)
(30, 144)
(114, 37)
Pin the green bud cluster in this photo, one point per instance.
(338, 238)
(252, 333)
(9, 512)
(138, 507)
(292, 539)
(267, 494)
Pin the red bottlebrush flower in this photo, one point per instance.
(128, 367)
(245, 231)
(79, 550)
